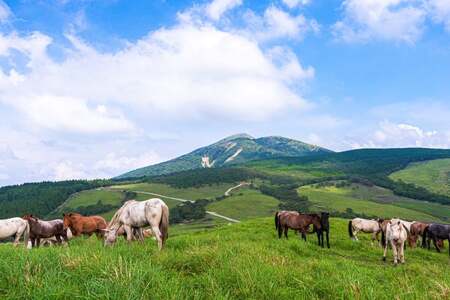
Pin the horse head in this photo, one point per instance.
(110, 236)
(67, 220)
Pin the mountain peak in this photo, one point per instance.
(235, 149)
(237, 136)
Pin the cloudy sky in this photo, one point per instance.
(92, 89)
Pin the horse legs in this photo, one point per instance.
(435, 244)
(16, 239)
(129, 232)
(286, 231)
(140, 235)
(385, 251)
(157, 234)
(395, 251)
(355, 234)
(38, 242)
(402, 253)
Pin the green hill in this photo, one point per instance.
(239, 261)
(232, 150)
(433, 175)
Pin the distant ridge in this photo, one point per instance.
(235, 149)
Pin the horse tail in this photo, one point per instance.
(276, 221)
(350, 228)
(424, 237)
(164, 223)
(383, 237)
(26, 234)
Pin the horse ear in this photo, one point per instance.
(398, 222)
(64, 215)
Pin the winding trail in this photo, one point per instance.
(191, 201)
(228, 192)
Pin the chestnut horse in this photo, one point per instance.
(79, 224)
(45, 229)
(296, 221)
(417, 229)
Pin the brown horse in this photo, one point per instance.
(79, 224)
(417, 229)
(45, 229)
(296, 221)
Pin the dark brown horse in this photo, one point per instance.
(45, 229)
(79, 224)
(296, 221)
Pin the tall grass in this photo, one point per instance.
(238, 261)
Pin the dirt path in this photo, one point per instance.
(228, 192)
(191, 201)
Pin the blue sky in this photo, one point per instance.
(92, 89)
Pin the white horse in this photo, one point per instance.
(396, 235)
(137, 214)
(15, 227)
(367, 226)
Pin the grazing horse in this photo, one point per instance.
(435, 232)
(138, 214)
(396, 235)
(79, 224)
(367, 226)
(416, 230)
(45, 229)
(297, 221)
(15, 227)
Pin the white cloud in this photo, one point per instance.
(296, 3)
(277, 23)
(217, 8)
(391, 134)
(440, 12)
(113, 163)
(393, 20)
(66, 170)
(5, 12)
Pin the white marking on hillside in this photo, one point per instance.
(223, 217)
(228, 192)
(232, 157)
(230, 146)
(206, 163)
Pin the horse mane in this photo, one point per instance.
(114, 223)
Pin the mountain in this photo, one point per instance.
(235, 149)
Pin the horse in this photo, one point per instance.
(137, 214)
(45, 229)
(324, 226)
(282, 212)
(396, 235)
(53, 240)
(15, 227)
(79, 224)
(416, 230)
(436, 231)
(367, 226)
(297, 221)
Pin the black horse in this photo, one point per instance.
(436, 231)
(325, 226)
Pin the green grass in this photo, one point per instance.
(239, 261)
(192, 193)
(433, 175)
(91, 197)
(339, 199)
(245, 204)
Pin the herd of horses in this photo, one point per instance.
(131, 219)
(394, 232)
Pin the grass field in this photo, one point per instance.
(371, 201)
(239, 261)
(204, 192)
(245, 204)
(433, 175)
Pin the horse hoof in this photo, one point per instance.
(384, 258)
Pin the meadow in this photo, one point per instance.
(233, 261)
(433, 175)
(373, 201)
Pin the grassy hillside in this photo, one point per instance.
(238, 261)
(372, 201)
(433, 175)
(245, 204)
